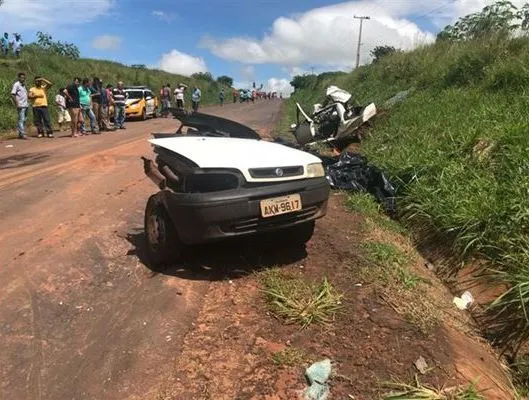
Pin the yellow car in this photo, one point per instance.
(141, 103)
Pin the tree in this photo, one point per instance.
(225, 80)
(501, 18)
(45, 42)
(203, 76)
(303, 81)
(382, 51)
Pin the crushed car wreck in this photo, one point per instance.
(335, 120)
(214, 186)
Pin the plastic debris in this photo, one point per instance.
(421, 365)
(351, 171)
(318, 374)
(465, 301)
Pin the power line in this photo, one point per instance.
(360, 38)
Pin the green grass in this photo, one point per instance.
(384, 254)
(300, 301)
(418, 391)
(373, 212)
(61, 70)
(289, 357)
(457, 150)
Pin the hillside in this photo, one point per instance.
(457, 149)
(61, 70)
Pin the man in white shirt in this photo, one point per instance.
(179, 97)
(19, 94)
(62, 113)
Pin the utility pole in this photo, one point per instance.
(360, 38)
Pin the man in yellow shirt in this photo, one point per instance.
(39, 101)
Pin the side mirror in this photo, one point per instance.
(148, 98)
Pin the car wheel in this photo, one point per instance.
(303, 134)
(163, 244)
(155, 113)
(143, 115)
(296, 235)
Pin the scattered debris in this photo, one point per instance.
(351, 171)
(398, 98)
(337, 119)
(421, 365)
(429, 266)
(9, 146)
(318, 374)
(465, 301)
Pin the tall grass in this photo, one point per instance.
(61, 70)
(458, 149)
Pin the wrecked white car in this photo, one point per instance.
(333, 121)
(221, 181)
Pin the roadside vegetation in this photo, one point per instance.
(60, 62)
(300, 301)
(457, 148)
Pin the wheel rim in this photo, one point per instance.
(155, 230)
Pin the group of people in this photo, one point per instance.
(167, 97)
(82, 101)
(247, 95)
(15, 45)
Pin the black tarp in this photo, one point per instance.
(352, 172)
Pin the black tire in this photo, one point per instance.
(155, 113)
(303, 134)
(144, 115)
(296, 235)
(163, 243)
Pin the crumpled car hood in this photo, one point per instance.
(240, 154)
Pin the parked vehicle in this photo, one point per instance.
(141, 103)
(221, 181)
(336, 120)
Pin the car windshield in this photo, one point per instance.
(135, 94)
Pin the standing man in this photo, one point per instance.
(73, 105)
(195, 97)
(41, 115)
(179, 97)
(106, 100)
(17, 44)
(120, 96)
(62, 112)
(235, 94)
(19, 94)
(4, 44)
(95, 97)
(221, 97)
(166, 100)
(85, 101)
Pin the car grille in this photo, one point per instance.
(276, 172)
(256, 224)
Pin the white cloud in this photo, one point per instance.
(164, 16)
(107, 42)
(327, 36)
(39, 14)
(248, 73)
(279, 85)
(177, 62)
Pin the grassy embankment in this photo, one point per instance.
(457, 148)
(61, 70)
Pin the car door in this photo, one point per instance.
(149, 100)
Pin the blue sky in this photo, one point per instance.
(246, 39)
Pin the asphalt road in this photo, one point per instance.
(81, 317)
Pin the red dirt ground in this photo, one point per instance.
(83, 317)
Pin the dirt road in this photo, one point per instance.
(81, 317)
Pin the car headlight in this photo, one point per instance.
(315, 170)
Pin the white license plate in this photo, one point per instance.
(280, 205)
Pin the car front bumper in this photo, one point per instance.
(204, 217)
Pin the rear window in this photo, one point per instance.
(135, 94)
